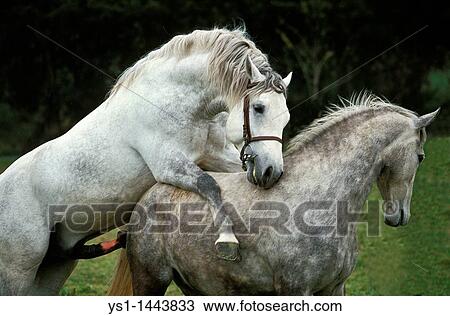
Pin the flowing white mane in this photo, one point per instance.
(357, 104)
(228, 50)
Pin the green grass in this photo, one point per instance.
(410, 260)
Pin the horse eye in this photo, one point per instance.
(421, 158)
(258, 107)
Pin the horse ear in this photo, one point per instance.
(425, 120)
(252, 71)
(287, 79)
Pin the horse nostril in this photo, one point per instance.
(267, 174)
(421, 157)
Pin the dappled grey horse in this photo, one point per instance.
(159, 124)
(329, 171)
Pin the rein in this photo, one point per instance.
(248, 138)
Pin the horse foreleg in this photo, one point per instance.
(340, 289)
(227, 245)
(334, 290)
(185, 174)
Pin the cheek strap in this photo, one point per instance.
(247, 134)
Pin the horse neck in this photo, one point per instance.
(175, 87)
(346, 159)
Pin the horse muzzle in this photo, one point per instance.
(396, 217)
(262, 174)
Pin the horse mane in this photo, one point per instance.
(226, 71)
(358, 103)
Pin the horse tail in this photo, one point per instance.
(121, 283)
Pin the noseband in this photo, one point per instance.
(248, 138)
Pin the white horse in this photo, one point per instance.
(159, 124)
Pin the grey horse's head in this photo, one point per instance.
(400, 162)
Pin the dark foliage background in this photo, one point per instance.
(44, 90)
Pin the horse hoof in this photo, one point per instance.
(228, 251)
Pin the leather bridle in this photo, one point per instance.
(248, 138)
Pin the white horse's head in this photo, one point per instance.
(400, 161)
(268, 115)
